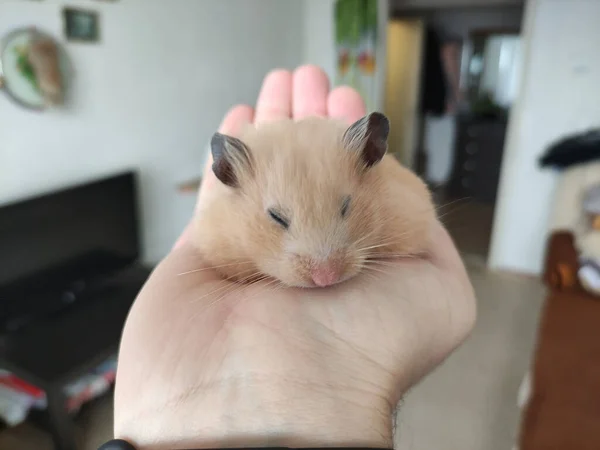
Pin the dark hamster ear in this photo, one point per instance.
(230, 157)
(368, 136)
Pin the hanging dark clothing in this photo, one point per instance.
(433, 83)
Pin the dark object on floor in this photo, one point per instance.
(478, 150)
(117, 444)
(70, 272)
(576, 149)
(562, 412)
(433, 84)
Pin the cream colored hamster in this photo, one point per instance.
(310, 202)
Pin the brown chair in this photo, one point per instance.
(563, 411)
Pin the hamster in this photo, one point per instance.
(310, 203)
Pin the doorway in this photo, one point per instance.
(451, 81)
(404, 53)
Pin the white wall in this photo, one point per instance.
(148, 96)
(559, 96)
(319, 42)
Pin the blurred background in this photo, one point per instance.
(106, 109)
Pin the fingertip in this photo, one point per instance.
(276, 75)
(310, 90)
(311, 72)
(235, 119)
(275, 98)
(309, 68)
(345, 103)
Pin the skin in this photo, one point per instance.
(209, 364)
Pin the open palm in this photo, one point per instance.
(207, 362)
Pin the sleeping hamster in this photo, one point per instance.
(310, 202)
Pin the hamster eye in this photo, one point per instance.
(345, 206)
(278, 218)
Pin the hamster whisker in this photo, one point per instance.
(379, 257)
(234, 287)
(214, 267)
(391, 265)
(385, 244)
(381, 246)
(218, 300)
(271, 286)
(385, 240)
(227, 283)
(366, 236)
(375, 269)
(382, 263)
(371, 276)
(360, 268)
(450, 203)
(455, 209)
(384, 254)
(239, 288)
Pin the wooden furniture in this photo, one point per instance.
(562, 411)
(478, 152)
(53, 351)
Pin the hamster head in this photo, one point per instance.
(296, 198)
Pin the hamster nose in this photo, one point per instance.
(325, 273)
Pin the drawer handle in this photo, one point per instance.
(469, 165)
(471, 148)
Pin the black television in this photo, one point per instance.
(66, 238)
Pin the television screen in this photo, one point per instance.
(78, 232)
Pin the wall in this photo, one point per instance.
(148, 96)
(319, 42)
(559, 96)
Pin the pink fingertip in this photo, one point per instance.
(345, 103)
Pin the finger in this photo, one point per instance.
(275, 98)
(310, 90)
(346, 104)
(237, 117)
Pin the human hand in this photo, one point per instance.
(205, 362)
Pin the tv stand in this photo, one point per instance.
(52, 351)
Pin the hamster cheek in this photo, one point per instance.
(285, 270)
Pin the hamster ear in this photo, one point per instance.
(230, 157)
(368, 136)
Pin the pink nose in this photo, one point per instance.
(325, 274)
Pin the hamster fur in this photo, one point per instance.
(308, 203)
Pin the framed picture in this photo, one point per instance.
(81, 25)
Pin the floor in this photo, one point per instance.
(469, 221)
(469, 403)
